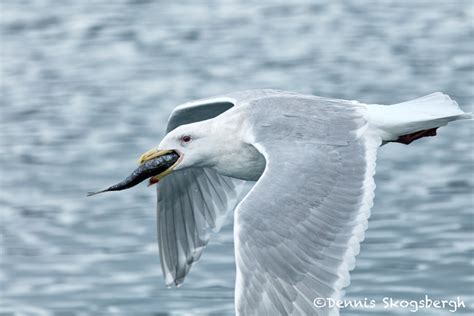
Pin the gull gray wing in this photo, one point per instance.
(298, 230)
(199, 110)
(194, 201)
(191, 202)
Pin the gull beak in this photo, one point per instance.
(154, 153)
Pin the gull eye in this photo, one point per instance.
(186, 138)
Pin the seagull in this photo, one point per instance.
(297, 173)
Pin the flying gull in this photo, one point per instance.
(297, 172)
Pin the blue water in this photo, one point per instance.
(86, 87)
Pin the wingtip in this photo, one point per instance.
(178, 283)
(174, 283)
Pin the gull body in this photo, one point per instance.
(297, 171)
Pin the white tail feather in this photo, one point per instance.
(431, 111)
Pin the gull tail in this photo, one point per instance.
(411, 120)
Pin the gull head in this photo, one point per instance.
(218, 143)
(196, 145)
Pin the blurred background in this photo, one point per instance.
(87, 86)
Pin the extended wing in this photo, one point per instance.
(298, 230)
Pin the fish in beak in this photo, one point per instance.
(154, 164)
(154, 154)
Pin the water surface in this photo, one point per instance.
(87, 87)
